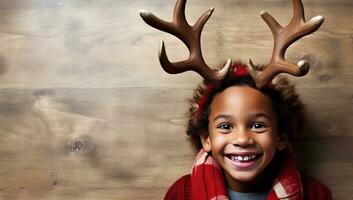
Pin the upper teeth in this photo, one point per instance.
(245, 158)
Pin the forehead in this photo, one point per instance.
(241, 100)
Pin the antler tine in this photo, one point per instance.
(190, 35)
(283, 38)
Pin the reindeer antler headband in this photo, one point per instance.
(190, 35)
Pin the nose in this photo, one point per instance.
(243, 138)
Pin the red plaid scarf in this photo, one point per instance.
(207, 181)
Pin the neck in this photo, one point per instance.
(261, 183)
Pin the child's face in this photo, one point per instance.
(243, 134)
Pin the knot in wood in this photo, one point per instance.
(77, 145)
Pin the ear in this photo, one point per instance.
(282, 141)
(206, 142)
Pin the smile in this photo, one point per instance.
(243, 158)
(244, 161)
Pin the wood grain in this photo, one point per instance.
(86, 112)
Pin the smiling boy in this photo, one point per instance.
(242, 118)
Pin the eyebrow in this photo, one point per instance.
(228, 117)
(260, 114)
(223, 116)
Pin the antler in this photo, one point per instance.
(190, 35)
(283, 38)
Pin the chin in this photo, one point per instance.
(243, 176)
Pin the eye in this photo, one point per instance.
(258, 127)
(225, 126)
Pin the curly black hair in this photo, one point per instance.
(288, 107)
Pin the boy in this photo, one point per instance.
(240, 119)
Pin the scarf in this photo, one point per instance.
(207, 181)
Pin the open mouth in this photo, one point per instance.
(243, 158)
(243, 161)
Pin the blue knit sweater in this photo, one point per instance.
(233, 195)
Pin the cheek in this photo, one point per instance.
(268, 143)
(218, 142)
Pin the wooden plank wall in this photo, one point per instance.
(86, 112)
